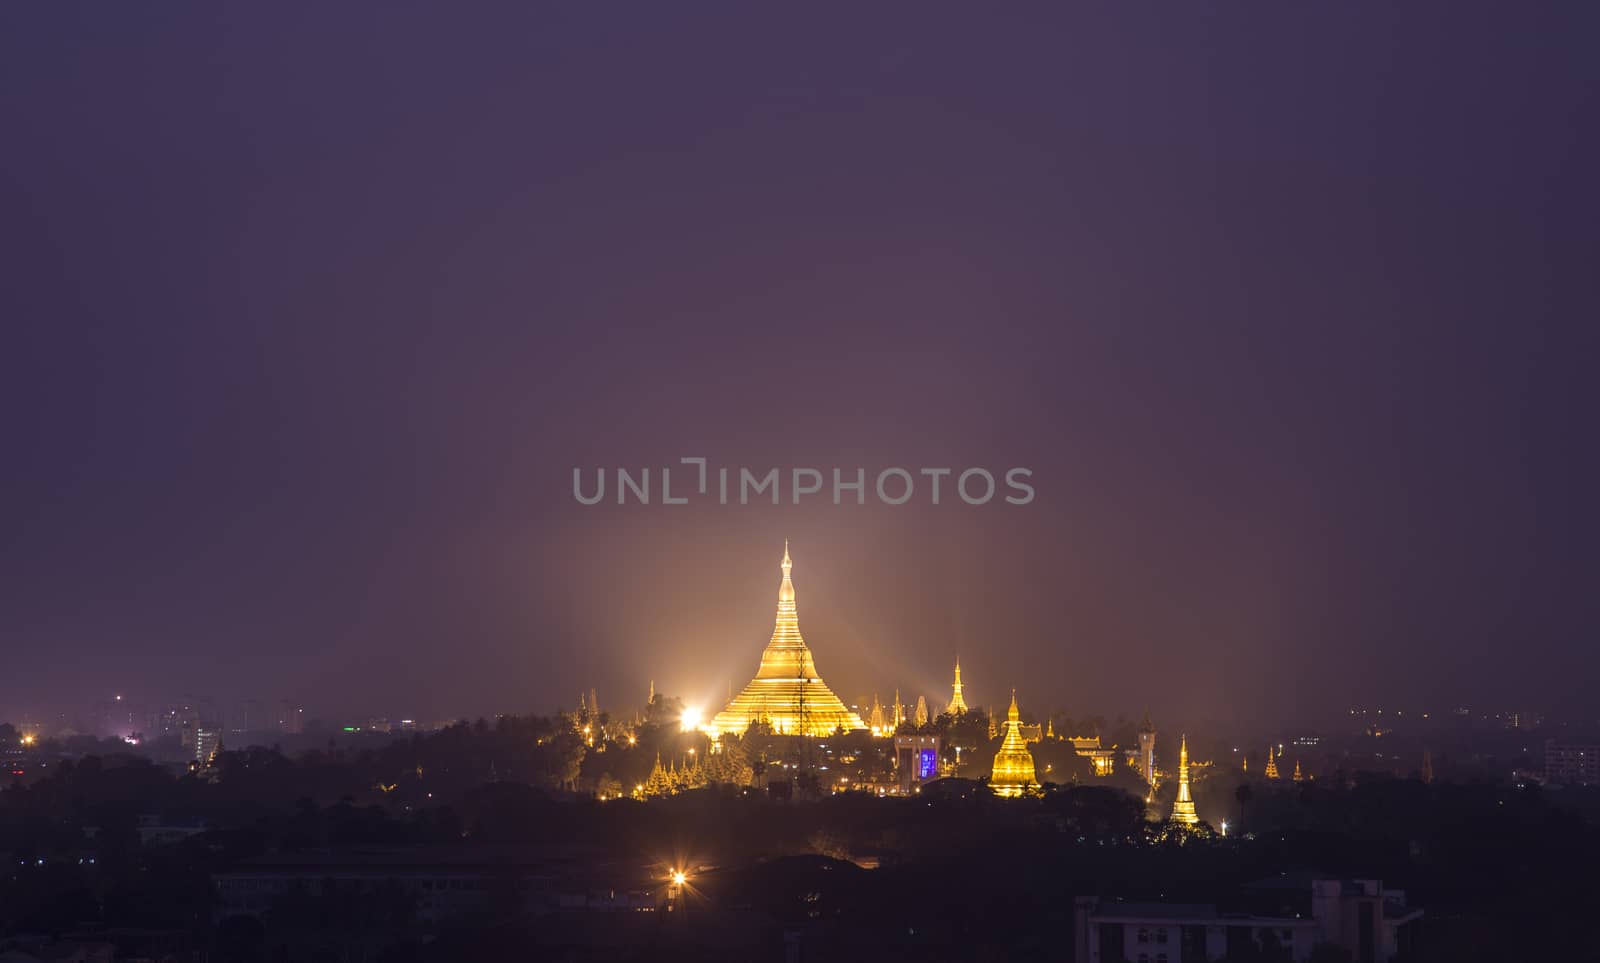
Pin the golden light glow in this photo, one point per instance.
(691, 718)
(786, 693)
(679, 877)
(29, 739)
(1013, 773)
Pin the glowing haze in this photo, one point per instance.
(310, 313)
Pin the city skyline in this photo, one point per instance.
(1091, 482)
(695, 685)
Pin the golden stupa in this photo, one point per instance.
(786, 692)
(1013, 765)
(1183, 806)
(958, 705)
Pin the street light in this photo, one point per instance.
(690, 718)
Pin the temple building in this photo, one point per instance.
(1013, 772)
(957, 704)
(1183, 806)
(786, 692)
(1104, 760)
(1272, 764)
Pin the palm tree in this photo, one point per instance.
(1244, 794)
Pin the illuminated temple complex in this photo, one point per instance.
(1013, 772)
(786, 693)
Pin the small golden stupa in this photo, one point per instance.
(1183, 806)
(958, 705)
(1013, 765)
(786, 692)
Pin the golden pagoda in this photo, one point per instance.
(1183, 806)
(786, 692)
(1297, 776)
(1013, 765)
(1272, 764)
(875, 720)
(957, 704)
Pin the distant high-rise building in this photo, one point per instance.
(1427, 767)
(1014, 772)
(207, 743)
(291, 718)
(957, 703)
(1571, 764)
(1183, 806)
(249, 716)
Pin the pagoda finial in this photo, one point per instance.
(786, 587)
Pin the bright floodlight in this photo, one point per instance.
(679, 877)
(690, 718)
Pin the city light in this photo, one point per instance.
(691, 718)
(679, 877)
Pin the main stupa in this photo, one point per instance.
(786, 693)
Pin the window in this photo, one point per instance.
(1144, 935)
(1161, 935)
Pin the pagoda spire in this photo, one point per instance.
(958, 704)
(786, 690)
(1272, 764)
(1183, 806)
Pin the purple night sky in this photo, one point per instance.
(310, 311)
